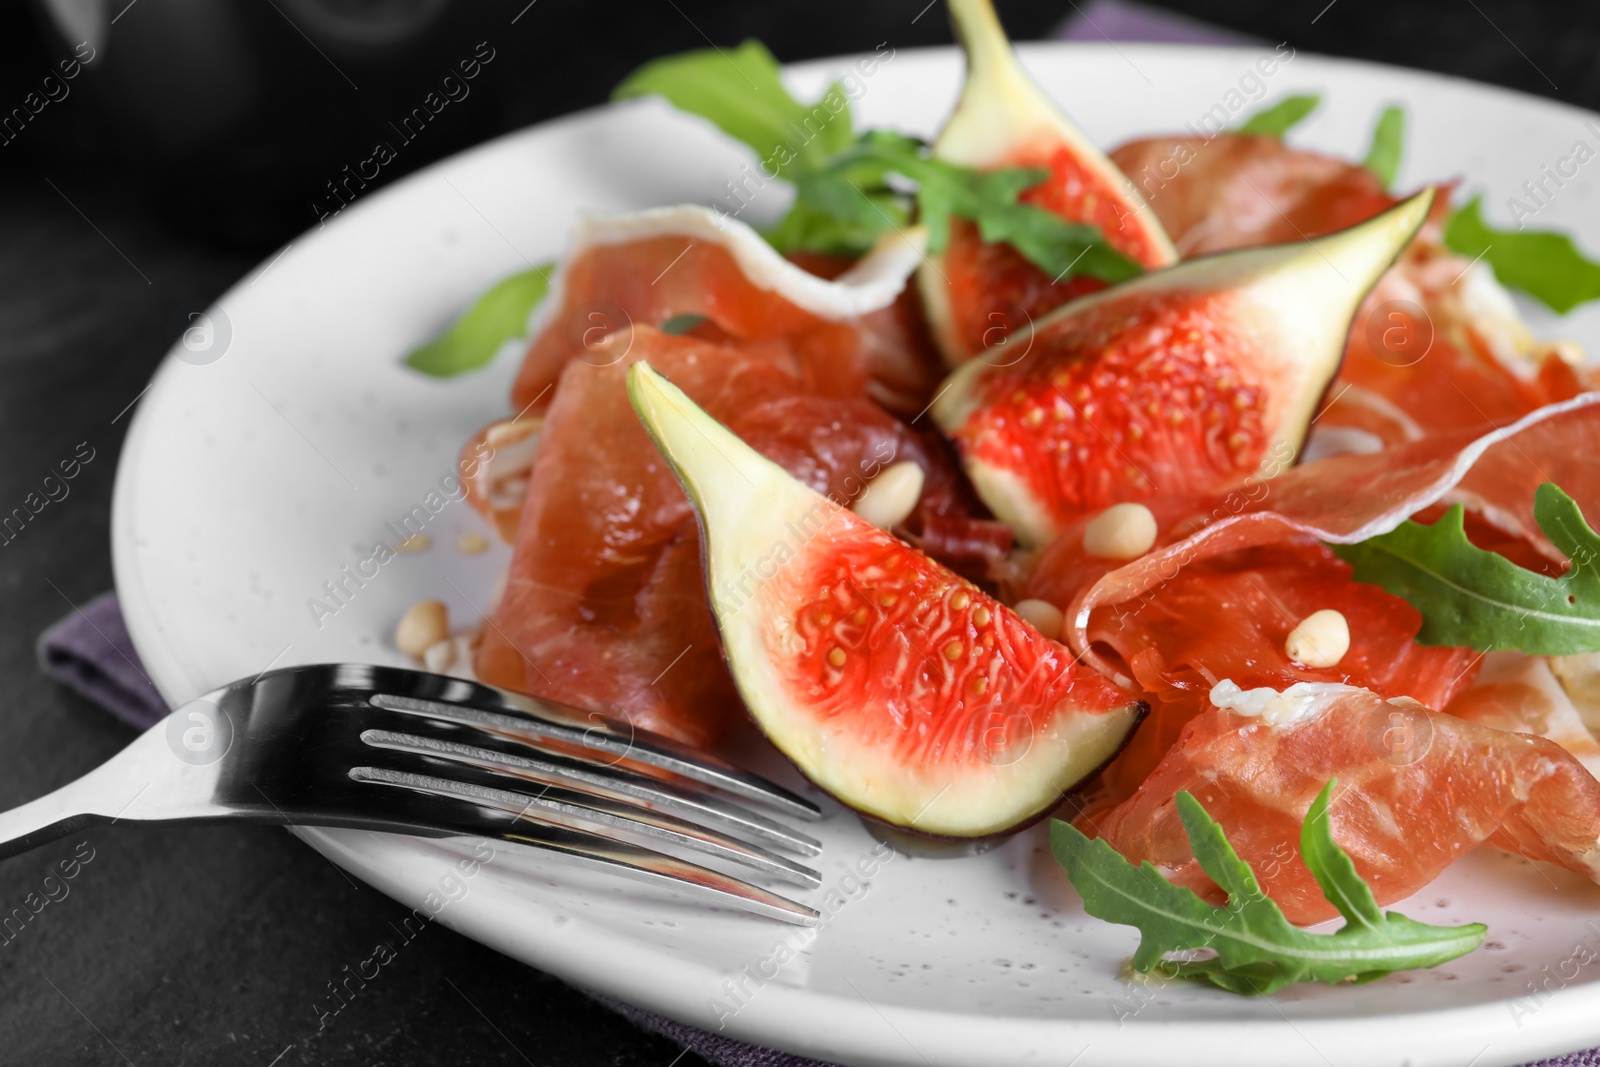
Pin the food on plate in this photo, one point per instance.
(1342, 500)
(495, 318)
(1420, 788)
(1191, 378)
(1473, 596)
(1247, 945)
(1012, 190)
(1234, 616)
(1243, 190)
(425, 624)
(1275, 560)
(978, 292)
(900, 688)
(845, 333)
(605, 606)
(1524, 695)
(1438, 344)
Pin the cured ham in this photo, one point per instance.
(1521, 694)
(1417, 789)
(1340, 500)
(849, 335)
(1436, 347)
(1228, 616)
(604, 592)
(1184, 395)
(605, 602)
(1239, 190)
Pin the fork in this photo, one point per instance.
(399, 751)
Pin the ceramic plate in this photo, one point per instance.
(273, 452)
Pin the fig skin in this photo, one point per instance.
(805, 595)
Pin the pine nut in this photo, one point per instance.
(512, 431)
(1122, 531)
(425, 624)
(889, 499)
(1320, 640)
(1042, 616)
(440, 656)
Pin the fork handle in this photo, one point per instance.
(41, 821)
(141, 783)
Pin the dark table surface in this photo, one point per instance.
(210, 945)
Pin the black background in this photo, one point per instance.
(209, 945)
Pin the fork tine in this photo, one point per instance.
(523, 718)
(565, 806)
(608, 782)
(650, 866)
(446, 817)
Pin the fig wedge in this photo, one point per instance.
(1186, 380)
(892, 683)
(976, 293)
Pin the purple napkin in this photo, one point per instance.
(1117, 20)
(90, 651)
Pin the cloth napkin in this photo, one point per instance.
(90, 651)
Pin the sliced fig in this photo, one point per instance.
(1189, 379)
(892, 683)
(976, 293)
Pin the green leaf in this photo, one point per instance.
(494, 318)
(857, 188)
(1388, 141)
(842, 209)
(1278, 119)
(1545, 264)
(1332, 867)
(851, 190)
(682, 323)
(741, 91)
(1478, 599)
(1255, 949)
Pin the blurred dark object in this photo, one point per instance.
(245, 121)
(249, 119)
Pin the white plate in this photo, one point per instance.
(247, 483)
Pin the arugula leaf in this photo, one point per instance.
(1256, 950)
(1388, 140)
(1479, 599)
(846, 195)
(843, 208)
(989, 198)
(742, 92)
(682, 323)
(1545, 264)
(1278, 119)
(493, 319)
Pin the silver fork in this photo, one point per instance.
(378, 748)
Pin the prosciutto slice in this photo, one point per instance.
(605, 604)
(856, 333)
(1437, 346)
(1417, 789)
(1340, 500)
